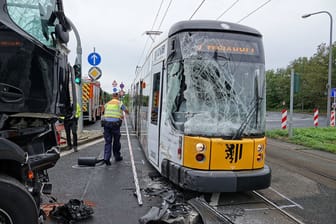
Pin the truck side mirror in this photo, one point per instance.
(61, 34)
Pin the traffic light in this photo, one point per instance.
(78, 74)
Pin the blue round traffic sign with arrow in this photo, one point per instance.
(94, 59)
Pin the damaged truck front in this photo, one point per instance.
(34, 91)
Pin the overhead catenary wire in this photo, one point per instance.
(230, 7)
(200, 5)
(262, 5)
(155, 19)
(157, 14)
(165, 14)
(163, 18)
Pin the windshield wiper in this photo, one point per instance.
(244, 124)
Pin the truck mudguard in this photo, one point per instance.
(11, 151)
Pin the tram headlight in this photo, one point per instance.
(200, 147)
(260, 148)
(260, 155)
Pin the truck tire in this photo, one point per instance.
(17, 206)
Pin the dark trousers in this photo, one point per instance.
(112, 132)
(71, 125)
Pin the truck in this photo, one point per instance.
(36, 88)
(92, 100)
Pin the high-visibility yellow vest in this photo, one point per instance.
(113, 109)
(78, 111)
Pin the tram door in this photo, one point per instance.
(136, 109)
(155, 114)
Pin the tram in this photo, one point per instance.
(198, 107)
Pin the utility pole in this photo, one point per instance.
(290, 129)
(330, 61)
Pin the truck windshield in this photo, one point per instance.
(32, 16)
(217, 91)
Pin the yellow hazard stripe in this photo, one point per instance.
(85, 95)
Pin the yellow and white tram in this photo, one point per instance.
(198, 107)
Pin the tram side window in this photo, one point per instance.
(155, 98)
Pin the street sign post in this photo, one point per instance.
(333, 94)
(94, 59)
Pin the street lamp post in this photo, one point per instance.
(330, 61)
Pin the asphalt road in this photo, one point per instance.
(303, 183)
(109, 189)
(307, 177)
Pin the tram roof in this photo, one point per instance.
(211, 25)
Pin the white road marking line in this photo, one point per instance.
(278, 207)
(81, 147)
(266, 208)
(135, 176)
(283, 196)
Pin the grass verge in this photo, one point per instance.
(317, 138)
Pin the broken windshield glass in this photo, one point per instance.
(32, 16)
(211, 91)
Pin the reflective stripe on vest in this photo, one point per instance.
(112, 109)
(78, 111)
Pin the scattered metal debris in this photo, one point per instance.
(173, 210)
(154, 214)
(73, 211)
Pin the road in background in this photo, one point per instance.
(273, 120)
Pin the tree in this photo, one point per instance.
(313, 74)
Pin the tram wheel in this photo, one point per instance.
(17, 206)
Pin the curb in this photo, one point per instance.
(83, 140)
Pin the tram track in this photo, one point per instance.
(279, 208)
(245, 207)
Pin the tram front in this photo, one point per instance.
(216, 99)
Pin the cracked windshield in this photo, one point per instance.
(217, 90)
(33, 17)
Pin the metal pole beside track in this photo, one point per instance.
(290, 124)
(79, 62)
(135, 176)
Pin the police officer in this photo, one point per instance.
(70, 124)
(112, 121)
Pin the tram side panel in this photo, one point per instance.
(192, 160)
(144, 114)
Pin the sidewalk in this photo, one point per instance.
(83, 137)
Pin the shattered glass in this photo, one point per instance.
(32, 16)
(216, 93)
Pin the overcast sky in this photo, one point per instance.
(115, 29)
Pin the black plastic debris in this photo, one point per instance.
(73, 211)
(169, 196)
(89, 161)
(154, 214)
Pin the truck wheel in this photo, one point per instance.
(17, 206)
